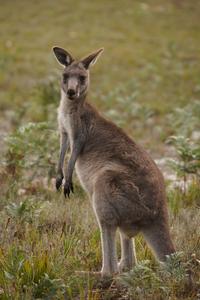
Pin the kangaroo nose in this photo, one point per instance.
(71, 92)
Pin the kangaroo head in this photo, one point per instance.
(75, 76)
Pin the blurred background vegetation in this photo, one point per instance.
(148, 82)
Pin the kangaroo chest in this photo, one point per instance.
(69, 124)
(69, 127)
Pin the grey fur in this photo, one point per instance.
(125, 186)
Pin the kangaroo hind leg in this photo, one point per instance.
(128, 255)
(109, 265)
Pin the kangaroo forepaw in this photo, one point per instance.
(59, 180)
(68, 187)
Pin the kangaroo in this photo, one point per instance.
(125, 186)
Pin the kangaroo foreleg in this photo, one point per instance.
(76, 149)
(64, 145)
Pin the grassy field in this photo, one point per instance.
(148, 82)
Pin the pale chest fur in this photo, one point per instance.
(67, 121)
(66, 124)
(83, 168)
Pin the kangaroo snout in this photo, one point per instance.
(71, 93)
(72, 88)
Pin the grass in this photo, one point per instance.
(147, 81)
(163, 54)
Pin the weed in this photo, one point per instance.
(27, 148)
(44, 100)
(188, 158)
(185, 119)
(25, 211)
(141, 280)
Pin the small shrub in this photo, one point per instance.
(47, 287)
(188, 158)
(186, 119)
(169, 280)
(32, 148)
(141, 280)
(45, 98)
(25, 211)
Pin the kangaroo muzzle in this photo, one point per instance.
(72, 90)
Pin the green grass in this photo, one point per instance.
(147, 81)
(154, 43)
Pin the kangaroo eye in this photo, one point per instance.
(82, 79)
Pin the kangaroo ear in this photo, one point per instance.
(63, 57)
(91, 59)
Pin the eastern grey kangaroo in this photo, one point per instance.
(125, 186)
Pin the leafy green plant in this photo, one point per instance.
(128, 108)
(141, 280)
(185, 119)
(188, 160)
(44, 100)
(173, 267)
(50, 288)
(31, 147)
(170, 279)
(26, 210)
(47, 91)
